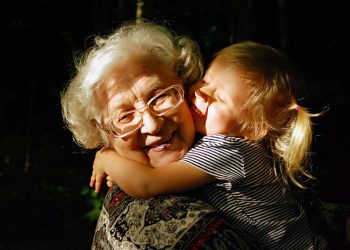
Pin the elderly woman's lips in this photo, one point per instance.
(161, 145)
(160, 148)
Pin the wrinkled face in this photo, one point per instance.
(160, 139)
(217, 100)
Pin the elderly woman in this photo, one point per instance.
(137, 76)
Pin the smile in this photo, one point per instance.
(162, 144)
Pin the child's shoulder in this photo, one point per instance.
(229, 142)
(220, 139)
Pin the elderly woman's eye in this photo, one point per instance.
(126, 117)
(160, 99)
(219, 97)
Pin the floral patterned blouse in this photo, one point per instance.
(164, 222)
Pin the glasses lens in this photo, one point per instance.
(125, 123)
(129, 121)
(166, 101)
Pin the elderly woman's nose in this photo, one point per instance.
(151, 123)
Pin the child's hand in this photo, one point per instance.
(98, 172)
(110, 181)
(96, 181)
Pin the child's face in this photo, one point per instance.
(217, 100)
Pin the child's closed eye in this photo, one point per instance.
(219, 97)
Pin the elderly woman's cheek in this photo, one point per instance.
(129, 147)
(187, 126)
(182, 129)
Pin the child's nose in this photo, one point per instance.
(199, 94)
(200, 101)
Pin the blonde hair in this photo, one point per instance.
(271, 114)
(146, 39)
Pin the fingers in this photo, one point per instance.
(110, 181)
(93, 179)
(96, 181)
(98, 185)
(98, 172)
(110, 184)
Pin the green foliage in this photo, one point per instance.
(95, 202)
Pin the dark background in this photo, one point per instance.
(45, 202)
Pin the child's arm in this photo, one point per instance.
(142, 181)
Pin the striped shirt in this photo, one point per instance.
(250, 195)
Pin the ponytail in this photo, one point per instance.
(293, 144)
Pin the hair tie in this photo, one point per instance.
(297, 107)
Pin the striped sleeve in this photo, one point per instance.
(217, 157)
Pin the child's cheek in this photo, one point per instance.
(215, 122)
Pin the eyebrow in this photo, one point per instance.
(124, 104)
(118, 109)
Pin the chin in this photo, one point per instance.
(201, 130)
(167, 158)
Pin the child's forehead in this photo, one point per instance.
(219, 66)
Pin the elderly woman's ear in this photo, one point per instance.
(93, 123)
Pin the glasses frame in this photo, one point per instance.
(111, 129)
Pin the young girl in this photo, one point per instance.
(256, 141)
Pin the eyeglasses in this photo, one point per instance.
(125, 123)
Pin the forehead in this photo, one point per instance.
(228, 79)
(140, 90)
(222, 73)
(137, 79)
